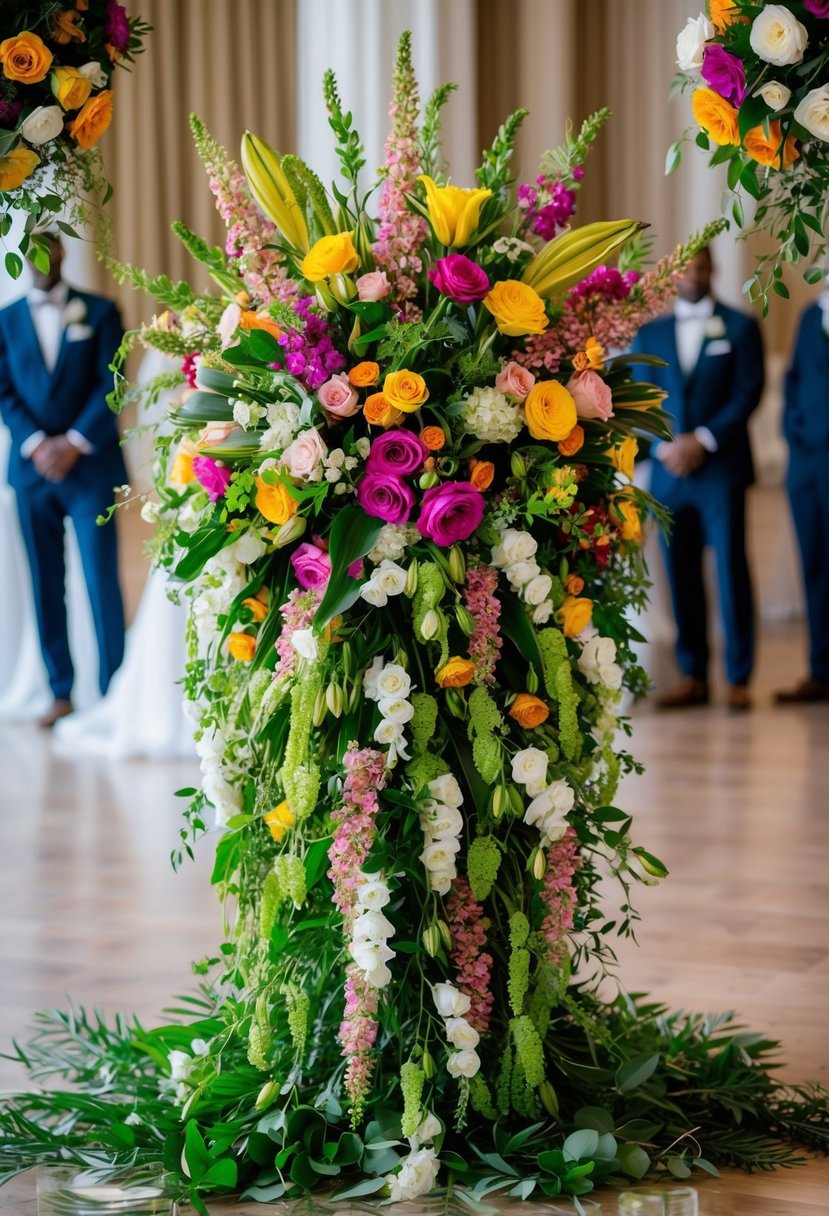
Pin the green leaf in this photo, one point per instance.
(352, 534)
(195, 1152)
(582, 1143)
(814, 274)
(222, 1174)
(673, 157)
(780, 289)
(14, 265)
(752, 112)
(636, 1072)
(594, 1118)
(679, 1168)
(368, 1186)
(264, 346)
(634, 1161)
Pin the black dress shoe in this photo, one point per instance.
(807, 692)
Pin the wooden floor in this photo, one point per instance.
(737, 806)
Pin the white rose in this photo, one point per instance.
(447, 821)
(463, 1063)
(372, 926)
(248, 548)
(373, 894)
(529, 767)
(440, 881)
(610, 675)
(777, 36)
(368, 955)
(305, 644)
(520, 573)
(446, 789)
(44, 123)
(813, 112)
(388, 732)
(94, 73)
(305, 454)
(449, 1001)
(440, 854)
(542, 613)
(690, 43)
(537, 589)
(374, 594)
(396, 709)
(429, 1129)
(515, 546)
(774, 94)
(391, 577)
(394, 681)
(416, 1176)
(461, 1035)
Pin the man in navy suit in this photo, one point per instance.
(806, 427)
(713, 379)
(55, 348)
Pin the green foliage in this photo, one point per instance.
(300, 774)
(519, 978)
(485, 726)
(493, 173)
(349, 148)
(289, 871)
(298, 1006)
(431, 128)
(412, 1080)
(529, 1049)
(422, 725)
(519, 930)
(482, 863)
(430, 591)
(575, 149)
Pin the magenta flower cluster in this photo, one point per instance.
(607, 283)
(212, 475)
(548, 205)
(485, 641)
(472, 964)
(117, 28)
(310, 353)
(724, 73)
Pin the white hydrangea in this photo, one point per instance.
(392, 542)
(246, 414)
(283, 424)
(491, 417)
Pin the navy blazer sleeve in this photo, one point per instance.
(729, 420)
(792, 420)
(94, 421)
(15, 414)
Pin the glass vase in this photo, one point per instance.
(670, 1201)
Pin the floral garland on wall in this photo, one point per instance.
(759, 75)
(399, 499)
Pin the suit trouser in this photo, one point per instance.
(709, 514)
(807, 483)
(42, 507)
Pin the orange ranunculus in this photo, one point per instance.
(574, 584)
(434, 437)
(256, 607)
(91, 122)
(70, 88)
(550, 411)
(378, 412)
(16, 166)
(364, 374)
(241, 646)
(625, 514)
(255, 320)
(623, 456)
(275, 502)
(723, 13)
(25, 58)
(572, 443)
(456, 673)
(405, 390)
(481, 473)
(592, 357)
(63, 27)
(716, 116)
(528, 711)
(576, 613)
(279, 820)
(765, 149)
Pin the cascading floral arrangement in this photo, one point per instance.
(398, 495)
(56, 68)
(760, 79)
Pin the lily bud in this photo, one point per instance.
(431, 940)
(291, 530)
(457, 564)
(531, 682)
(334, 699)
(428, 480)
(455, 703)
(342, 288)
(320, 709)
(466, 620)
(354, 336)
(411, 579)
(500, 801)
(355, 695)
(325, 299)
(518, 465)
(427, 1064)
(266, 1095)
(430, 627)
(516, 799)
(445, 934)
(347, 655)
(549, 1098)
(539, 864)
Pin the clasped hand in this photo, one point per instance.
(683, 455)
(55, 457)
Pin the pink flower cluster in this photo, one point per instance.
(558, 895)
(485, 641)
(353, 837)
(310, 353)
(189, 367)
(472, 964)
(548, 205)
(297, 613)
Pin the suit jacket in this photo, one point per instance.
(72, 395)
(806, 415)
(720, 393)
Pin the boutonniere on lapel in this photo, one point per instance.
(74, 316)
(715, 327)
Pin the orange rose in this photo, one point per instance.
(572, 443)
(405, 390)
(241, 646)
(456, 673)
(574, 584)
(254, 320)
(255, 606)
(576, 614)
(716, 116)
(528, 711)
(378, 412)
(63, 26)
(625, 514)
(276, 503)
(723, 13)
(279, 820)
(434, 437)
(364, 374)
(550, 411)
(89, 125)
(481, 473)
(765, 149)
(25, 58)
(16, 166)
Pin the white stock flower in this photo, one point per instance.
(370, 678)
(392, 542)
(777, 36)
(542, 613)
(690, 42)
(463, 1063)
(388, 732)
(393, 681)
(537, 589)
(94, 73)
(774, 94)
(443, 821)
(611, 675)
(181, 1065)
(372, 926)
(416, 1176)
(813, 112)
(460, 1034)
(548, 811)
(529, 768)
(597, 653)
(514, 546)
(200, 1047)
(374, 594)
(368, 955)
(440, 881)
(305, 644)
(373, 894)
(379, 976)
(520, 573)
(446, 789)
(44, 123)
(449, 1001)
(396, 709)
(491, 417)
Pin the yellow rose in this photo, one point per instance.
(576, 613)
(276, 503)
(453, 211)
(550, 411)
(517, 308)
(279, 820)
(716, 116)
(456, 673)
(625, 514)
(765, 149)
(91, 122)
(405, 390)
(181, 474)
(16, 166)
(241, 646)
(528, 711)
(25, 58)
(70, 88)
(63, 26)
(623, 455)
(330, 255)
(378, 412)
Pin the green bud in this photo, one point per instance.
(342, 288)
(500, 801)
(457, 564)
(518, 465)
(411, 579)
(465, 619)
(549, 1098)
(290, 531)
(445, 934)
(431, 940)
(356, 694)
(448, 465)
(320, 709)
(266, 1095)
(516, 799)
(325, 300)
(455, 703)
(347, 656)
(428, 480)
(431, 624)
(428, 1064)
(334, 699)
(532, 681)
(539, 865)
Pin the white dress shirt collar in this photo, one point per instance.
(685, 310)
(56, 295)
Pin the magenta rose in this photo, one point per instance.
(213, 475)
(117, 30)
(592, 395)
(450, 512)
(818, 8)
(459, 278)
(397, 451)
(312, 565)
(385, 496)
(725, 74)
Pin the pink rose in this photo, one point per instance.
(592, 395)
(213, 475)
(339, 396)
(228, 324)
(515, 380)
(312, 565)
(373, 286)
(215, 432)
(302, 457)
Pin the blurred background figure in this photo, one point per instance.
(713, 377)
(65, 460)
(806, 427)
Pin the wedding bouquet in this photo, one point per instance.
(398, 495)
(56, 68)
(761, 95)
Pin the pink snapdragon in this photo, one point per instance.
(472, 964)
(485, 641)
(558, 895)
(298, 613)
